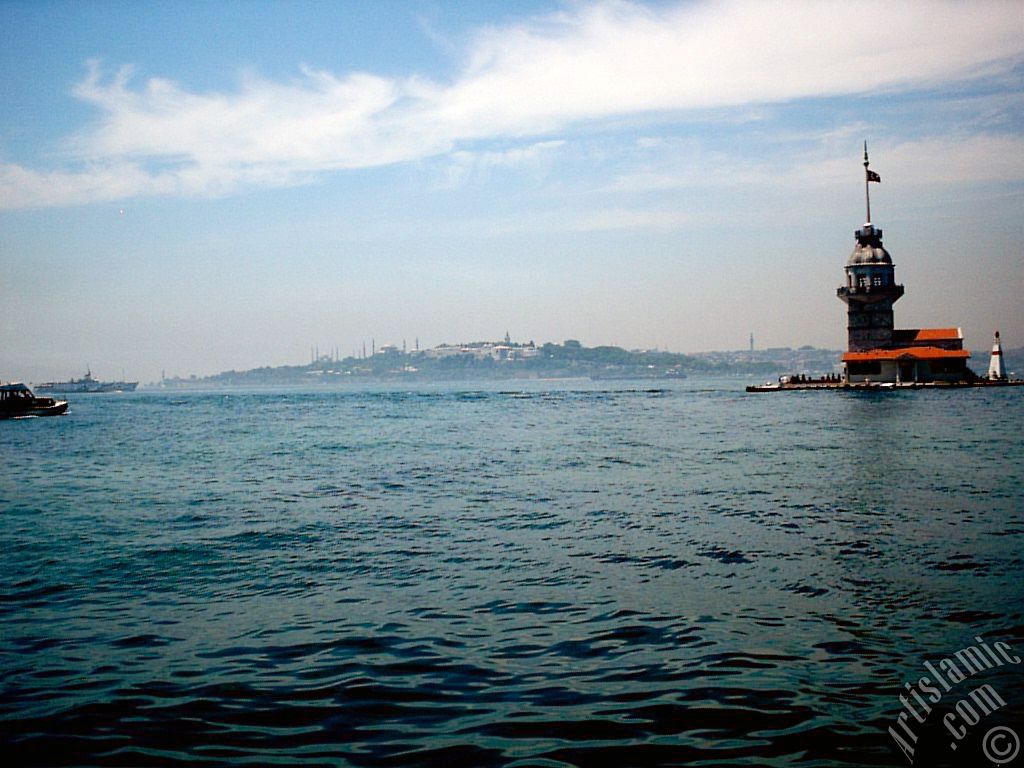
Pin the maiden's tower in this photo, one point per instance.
(876, 351)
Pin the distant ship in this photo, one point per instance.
(87, 384)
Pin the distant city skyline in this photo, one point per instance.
(194, 188)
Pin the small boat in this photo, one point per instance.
(17, 400)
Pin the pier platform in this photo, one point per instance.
(832, 383)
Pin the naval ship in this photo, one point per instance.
(87, 384)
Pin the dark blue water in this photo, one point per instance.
(521, 574)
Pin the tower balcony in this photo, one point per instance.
(869, 294)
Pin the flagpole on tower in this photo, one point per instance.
(867, 177)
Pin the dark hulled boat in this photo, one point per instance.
(17, 400)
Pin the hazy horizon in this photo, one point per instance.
(195, 188)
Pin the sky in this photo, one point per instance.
(193, 187)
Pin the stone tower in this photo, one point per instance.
(871, 288)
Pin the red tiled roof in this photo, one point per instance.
(906, 353)
(927, 334)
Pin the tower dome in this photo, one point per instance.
(869, 249)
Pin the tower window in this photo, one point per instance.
(877, 281)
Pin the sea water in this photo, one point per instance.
(540, 573)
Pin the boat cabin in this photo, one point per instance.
(15, 393)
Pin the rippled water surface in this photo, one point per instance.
(519, 574)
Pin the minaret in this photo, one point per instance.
(871, 288)
(996, 367)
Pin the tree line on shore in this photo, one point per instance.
(569, 359)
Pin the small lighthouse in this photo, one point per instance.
(996, 367)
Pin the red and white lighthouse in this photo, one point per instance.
(996, 366)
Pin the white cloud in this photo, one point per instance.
(26, 188)
(593, 62)
(959, 160)
(317, 122)
(956, 159)
(465, 166)
(623, 218)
